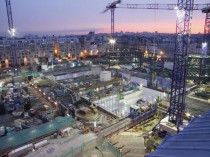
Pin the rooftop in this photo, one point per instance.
(193, 141)
(27, 135)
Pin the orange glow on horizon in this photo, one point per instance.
(160, 27)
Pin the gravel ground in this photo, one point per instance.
(196, 107)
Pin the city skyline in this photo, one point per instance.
(81, 16)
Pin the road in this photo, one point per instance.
(41, 98)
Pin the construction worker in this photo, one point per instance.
(121, 151)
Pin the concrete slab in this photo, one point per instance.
(133, 144)
(71, 145)
(121, 108)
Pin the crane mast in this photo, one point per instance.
(207, 20)
(9, 15)
(206, 10)
(112, 23)
(183, 24)
(12, 33)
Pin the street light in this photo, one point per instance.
(161, 52)
(99, 150)
(112, 42)
(25, 60)
(204, 48)
(164, 94)
(146, 54)
(12, 32)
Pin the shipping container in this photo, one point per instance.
(40, 144)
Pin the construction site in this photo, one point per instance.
(128, 101)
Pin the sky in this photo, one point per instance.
(62, 17)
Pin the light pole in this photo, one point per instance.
(99, 150)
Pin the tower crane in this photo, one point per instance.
(118, 4)
(206, 10)
(12, 34)
(112, 7)
(184, 10)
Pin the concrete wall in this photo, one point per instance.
(168, 65)
(138, 80)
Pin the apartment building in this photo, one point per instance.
(30, 47)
